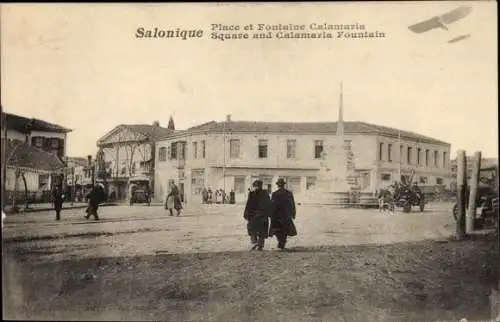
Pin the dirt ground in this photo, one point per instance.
(345, 265)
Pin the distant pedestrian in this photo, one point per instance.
(257, 212)
(204, 195)
(283, 214)
(95, 197)
(173, 200)
(232, 197)
(210, 196)
(169, 204)
(57, 200)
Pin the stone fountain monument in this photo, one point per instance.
(336, 177)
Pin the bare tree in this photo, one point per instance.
(20, 174)
(132, 143)
(145, 154)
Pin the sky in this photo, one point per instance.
(80, 66)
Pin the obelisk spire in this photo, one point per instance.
(340, 121)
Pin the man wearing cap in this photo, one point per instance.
(257, 212)
(283, 214)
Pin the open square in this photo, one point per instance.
(138, 263)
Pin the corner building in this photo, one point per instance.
(230, 155)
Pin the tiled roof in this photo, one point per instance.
(149, 130)
(21, 124)
(78, 160)
(23, 155)
(309, 127)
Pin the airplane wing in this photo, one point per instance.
(456, 39)
(426, 25)
(440, 21)
(456, 14)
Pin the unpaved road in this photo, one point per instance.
(345, 265)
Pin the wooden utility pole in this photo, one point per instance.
(224, 154)
(461, 189)
(5, 157)
(471, 213)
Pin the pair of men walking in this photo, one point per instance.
(280, 208)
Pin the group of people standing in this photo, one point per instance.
(280, 209)
(218, 197)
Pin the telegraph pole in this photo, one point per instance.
(400, 156)
(4, 156)
(224, 158)
(471, 213)
(461, 193)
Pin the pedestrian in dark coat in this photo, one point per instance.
(57, 199)
(95, 197)
(283, 214)
(257, 212)
(204, 195)
(174, 200)
(232, 197)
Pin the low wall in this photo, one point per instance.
(30, 197)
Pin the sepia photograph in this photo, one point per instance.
(271, 161)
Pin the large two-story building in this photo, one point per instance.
(127, 152)
(33, 159)
(230, 155)
(47, 136)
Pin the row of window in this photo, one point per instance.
(41, 142)
(177, 150)
(421, 180)
(409, 155)
(263, 147)
(199, 151)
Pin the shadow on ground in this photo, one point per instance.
(420, 281)
(85, 234)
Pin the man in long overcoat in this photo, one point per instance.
(257, 212)
(283, 214)
(174, 200)
(57, 199)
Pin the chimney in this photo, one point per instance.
(89, 159)
(228, 118)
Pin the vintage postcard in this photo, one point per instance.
(328, 161)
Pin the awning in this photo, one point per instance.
(139, 178)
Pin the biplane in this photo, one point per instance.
(441, 21)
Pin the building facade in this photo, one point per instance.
(485, 163)
(47, 136)
(127, 152)
(78, 172)
(230, 155)
(34, 150)
(30, 172)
